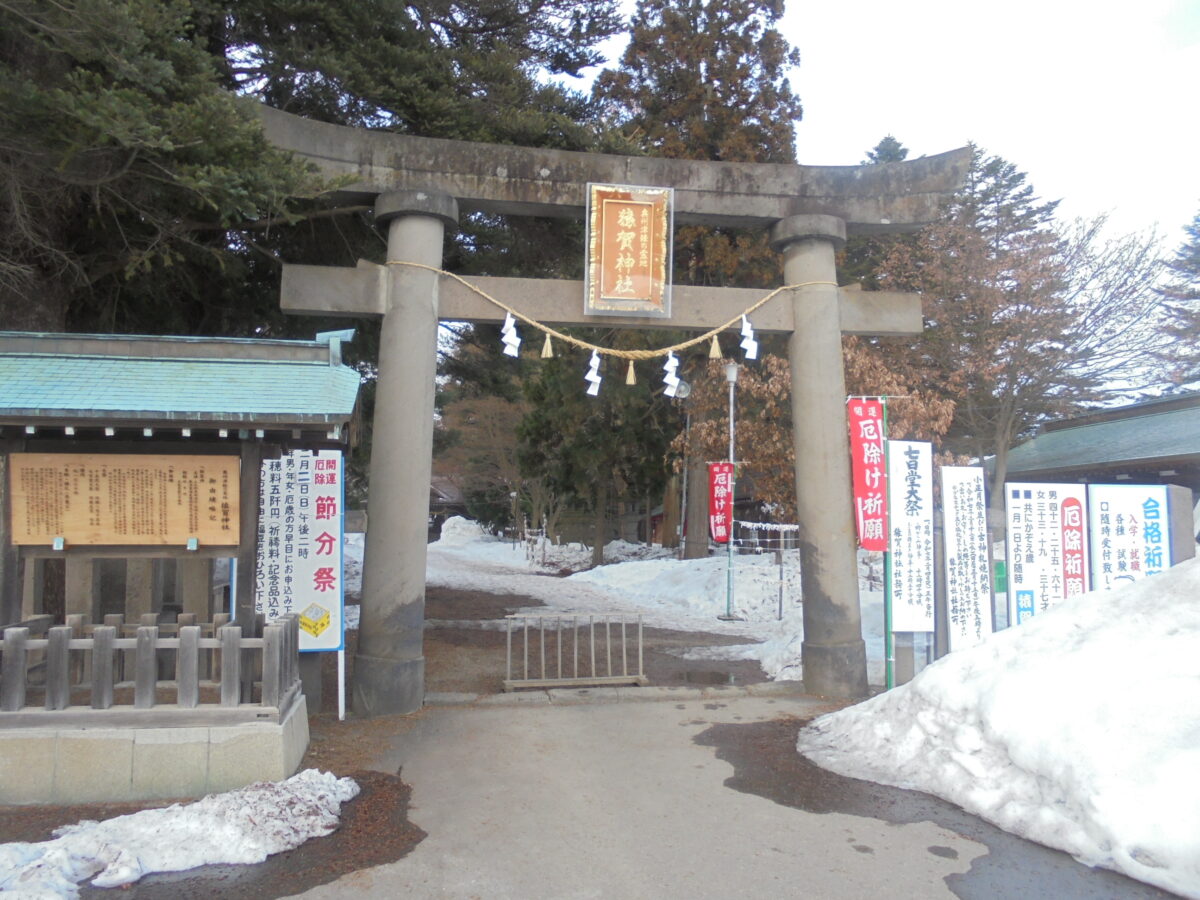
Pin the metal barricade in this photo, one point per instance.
(557, 637)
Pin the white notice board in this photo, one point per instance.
(1046, 546)
(910, 538)
(300, 540)
(968, 575)
(1130, 533)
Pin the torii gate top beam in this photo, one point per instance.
(538, 182)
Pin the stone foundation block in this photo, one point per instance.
(27, 766)
(170, 762)
(92, 764)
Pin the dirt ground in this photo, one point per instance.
(461, 656)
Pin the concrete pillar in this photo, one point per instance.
(389, 670)
(139, 588)
(81, 586)
(834, 655)
(193, 586)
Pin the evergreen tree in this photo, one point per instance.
(1182, 302)
(121, 156)
(136, 190)
(707, 79)
(887, 150)
(859, 260)
(590, 451)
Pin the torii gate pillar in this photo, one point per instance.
(389, 669)
(833, 651)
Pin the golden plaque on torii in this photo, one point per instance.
(628, 265)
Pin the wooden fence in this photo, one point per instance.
(120, 675)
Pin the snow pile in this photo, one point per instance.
(1079, 729)
(699, 585)
(457, 531)
(578, 557)
(242, 826)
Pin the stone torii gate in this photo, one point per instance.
(419, 185)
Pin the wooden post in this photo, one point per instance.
(58, 687)
(102, 665)
(211, 666)
(12, 669)
(292, 653)
(247, 556)
(146, 677)
(273, 640)
(941, 622)
(187, 673)
(231, 665)
(10, 584)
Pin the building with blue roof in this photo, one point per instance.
(120, 394)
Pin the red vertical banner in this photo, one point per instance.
(1073, 561)
(720, 501)
(868, 472)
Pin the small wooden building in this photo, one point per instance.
(129, 466)
(150, 399)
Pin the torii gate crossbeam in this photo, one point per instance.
(419, 184)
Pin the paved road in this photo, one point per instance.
(618, 800)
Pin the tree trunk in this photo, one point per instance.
(600, 536)
(670, 518)
(996, 521)
(696, 540)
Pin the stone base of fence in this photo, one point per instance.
(78, 765)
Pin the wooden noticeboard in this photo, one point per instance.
(124, 499)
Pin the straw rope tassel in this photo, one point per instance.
(714, 352)
(630, 378)
(547, 349)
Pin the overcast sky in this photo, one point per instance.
(1097, 101)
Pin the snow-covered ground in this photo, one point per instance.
(242, 826)
(1079, 729)
(685, 595)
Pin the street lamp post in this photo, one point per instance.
(731, 374)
